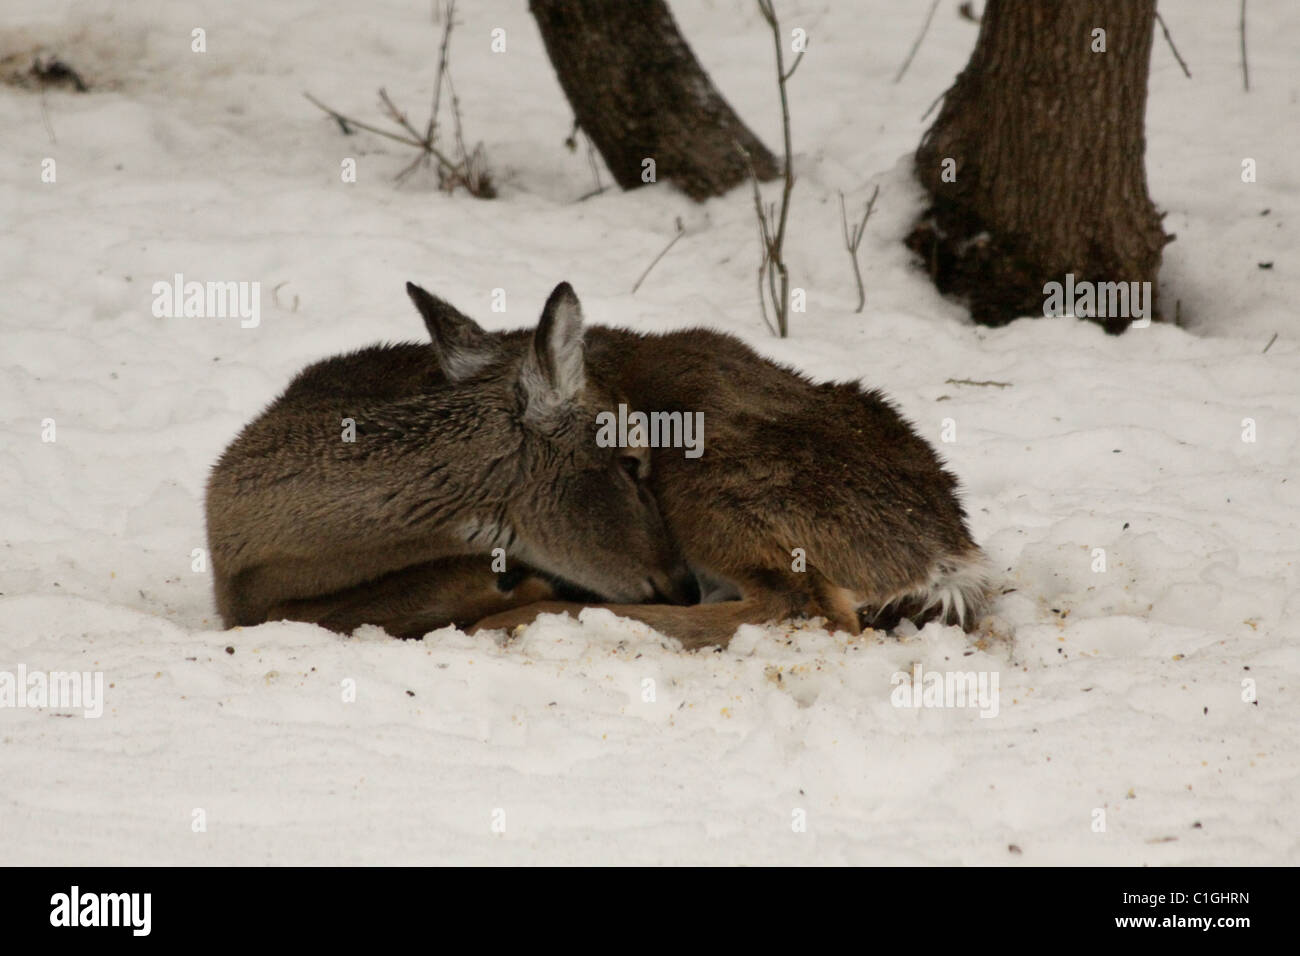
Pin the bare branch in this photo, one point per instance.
(396, 115)
(917, 45)
(339, 117)
(764, 238)
(773, 223)
(591, 162)
(449, 12)
(967, 381)
(762, 267)
(681, 231)
(1245, 67)
(469, 169)
(1177, 56)
(420, 159)
(854, 238)
(794, 66)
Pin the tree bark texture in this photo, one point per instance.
(638, 93)
(1049, 144)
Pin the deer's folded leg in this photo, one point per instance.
(416, 600)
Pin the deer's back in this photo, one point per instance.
(831, 468)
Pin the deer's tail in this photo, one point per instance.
(958, 591)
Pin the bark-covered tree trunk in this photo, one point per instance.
(1048, 143)
(639, 93)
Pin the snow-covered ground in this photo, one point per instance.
(1121, 690)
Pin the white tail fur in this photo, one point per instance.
(959, 588)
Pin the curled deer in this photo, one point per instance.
(813, 499)
(380, 485)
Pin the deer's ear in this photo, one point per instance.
(553, 373)
(461, 345)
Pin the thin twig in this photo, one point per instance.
(420, 158)
(469, 170)
(853, 253)
(388, 134)
(45, 118)
(775, 237)
(681, 231)
(967, 381)
(1270, 343)
(1177, 56)
(762, 296)
(339, 117)
(455, 120)
(397, 115)
(1245, 67)
(794, 66)
(449, 12)
(763, 243)
(854, 238)
(936, 102)
(591, 161)
(917, 45)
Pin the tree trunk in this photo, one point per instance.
(1047, 137)
(639, 93)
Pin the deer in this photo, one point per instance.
(383, 485)
(809, 499)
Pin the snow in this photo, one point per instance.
(1120, 690)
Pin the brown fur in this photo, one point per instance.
(398, 526)
(411, 602)
(788, 463)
